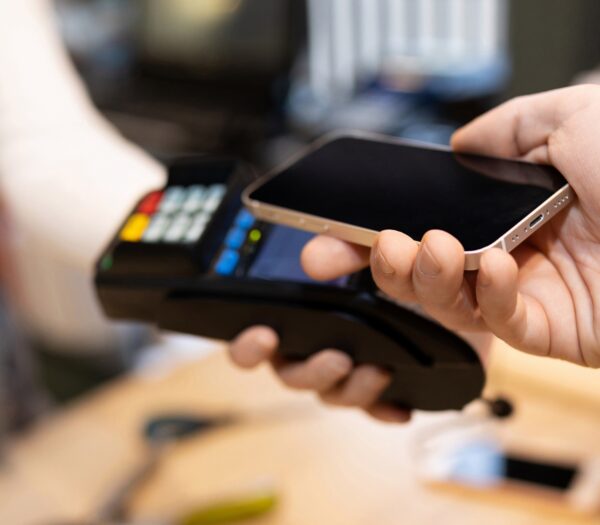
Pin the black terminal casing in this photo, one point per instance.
(175, 287)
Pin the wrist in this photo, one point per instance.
(70, 196)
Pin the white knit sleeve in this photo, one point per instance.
(66, 176)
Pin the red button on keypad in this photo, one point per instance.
(150, 203)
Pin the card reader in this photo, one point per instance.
(191, 259)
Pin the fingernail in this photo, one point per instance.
(382, 264)
(428, 265)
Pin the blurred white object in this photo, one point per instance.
(66, 176)
(470, 449)
(353, 41)
(438, 448)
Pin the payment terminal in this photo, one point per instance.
(191, 259)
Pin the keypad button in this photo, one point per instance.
(244, 219)
(107, 262)
(150, 203)
(178, 228)
(235, 238)
(195, 199)
(135, 227)
(214, 196)
(199, 224)
(173, 199)
(227, 262)
(157, 229)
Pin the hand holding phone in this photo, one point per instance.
(535, 298)
(355, 185)
(525, 296)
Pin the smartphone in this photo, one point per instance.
(353, 185)
(577, 485)
(480, 467)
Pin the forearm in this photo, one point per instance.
(38, 86)
(67, 177)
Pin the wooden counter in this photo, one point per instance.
(331, 466)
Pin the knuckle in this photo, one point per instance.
(353, 396)
(398, 285)
(440, 295)
(347, 402)
(332, 398)
(369, 382)
(376, 381)
(295, 378)
(383, 282)
(433, 289)
(241, 358)
(519, 104)
(322, 377)
(290, 381)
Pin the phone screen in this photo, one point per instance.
(379, 185)
(557, 477)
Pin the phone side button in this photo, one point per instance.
(313, 226)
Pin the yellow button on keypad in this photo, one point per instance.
(135, 227)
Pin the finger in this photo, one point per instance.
(392, 260)
(253, 346)
(481, 342)
(514, 317)
(321, 372)
(513, 129)
(523, 126)
(439, 283)
(389, 413)
(325, 258)
(362, 389)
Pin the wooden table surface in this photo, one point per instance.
(330, 466)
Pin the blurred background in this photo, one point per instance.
(237, 75)
(256, 79)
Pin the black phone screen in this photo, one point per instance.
(559, 477)
(382, 185)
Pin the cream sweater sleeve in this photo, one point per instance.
(67, 178)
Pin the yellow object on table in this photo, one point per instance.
(231, 511)
(331, 466)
